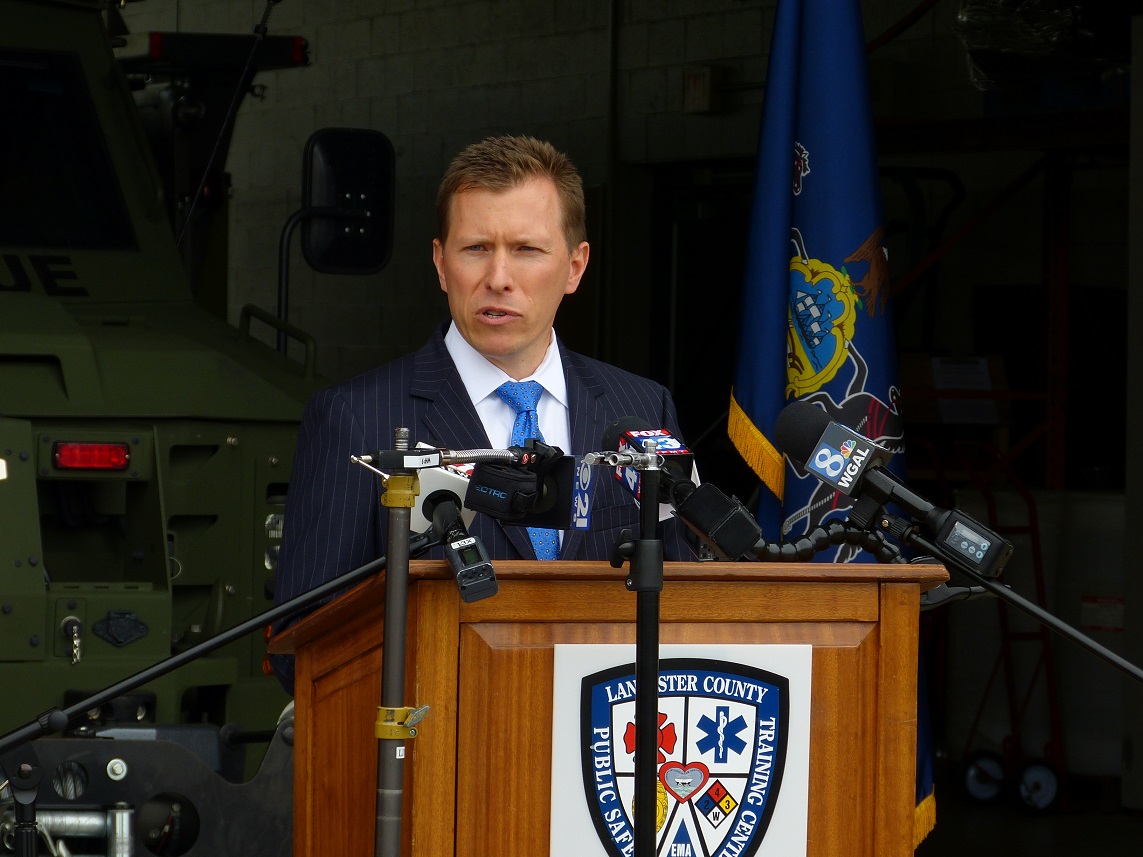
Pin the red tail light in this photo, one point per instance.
(69, 455)
(300, 51)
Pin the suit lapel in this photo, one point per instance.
(450, 419)
(446, 414)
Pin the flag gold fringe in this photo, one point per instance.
(924, 819)
(757, 451)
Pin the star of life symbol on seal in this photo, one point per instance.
(723, 730)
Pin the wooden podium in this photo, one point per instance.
(478, 774)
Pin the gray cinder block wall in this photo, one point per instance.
(605, 81)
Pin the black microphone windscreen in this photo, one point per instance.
(615, 430)
(798, 428)
(437, 498)
(446, 512)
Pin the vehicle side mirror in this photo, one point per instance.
(347, 192)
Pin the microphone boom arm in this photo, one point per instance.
(909, 532)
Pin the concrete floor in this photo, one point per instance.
(1090, 824)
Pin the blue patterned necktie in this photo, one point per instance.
(522, 397)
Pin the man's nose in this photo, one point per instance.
(499, 275)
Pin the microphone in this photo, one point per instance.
(534, 490)
(839, 457)
(439, 484)
(720, 521)
(530, 485)
(854, 465)
(437, 481)
(469, 561)
(676, 462)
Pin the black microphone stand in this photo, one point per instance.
(909, 532)
(646, 581)
(867, 536)
(17, 753)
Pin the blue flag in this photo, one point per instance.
(815, 316)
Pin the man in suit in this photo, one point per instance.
(511, 246)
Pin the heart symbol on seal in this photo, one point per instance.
(683, 781)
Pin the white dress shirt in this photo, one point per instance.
(481, 378)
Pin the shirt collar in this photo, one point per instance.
(481, 378)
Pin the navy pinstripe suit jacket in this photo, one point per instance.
(334, 521)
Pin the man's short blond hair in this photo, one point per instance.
(500, 163)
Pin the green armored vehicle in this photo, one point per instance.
(145, 443)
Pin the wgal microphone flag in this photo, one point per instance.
(815, 312)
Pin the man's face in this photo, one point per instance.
(505, 267)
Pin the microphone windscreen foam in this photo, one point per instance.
(798, 428)
(617, 429)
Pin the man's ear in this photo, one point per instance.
(438, 262)
(578, 265)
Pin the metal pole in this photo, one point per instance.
(399, 496)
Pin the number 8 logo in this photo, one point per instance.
(829, 462)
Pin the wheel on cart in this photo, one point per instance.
(984, 776)
(1039, 785)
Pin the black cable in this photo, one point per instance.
(821, 538)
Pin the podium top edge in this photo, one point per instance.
(371, 592)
